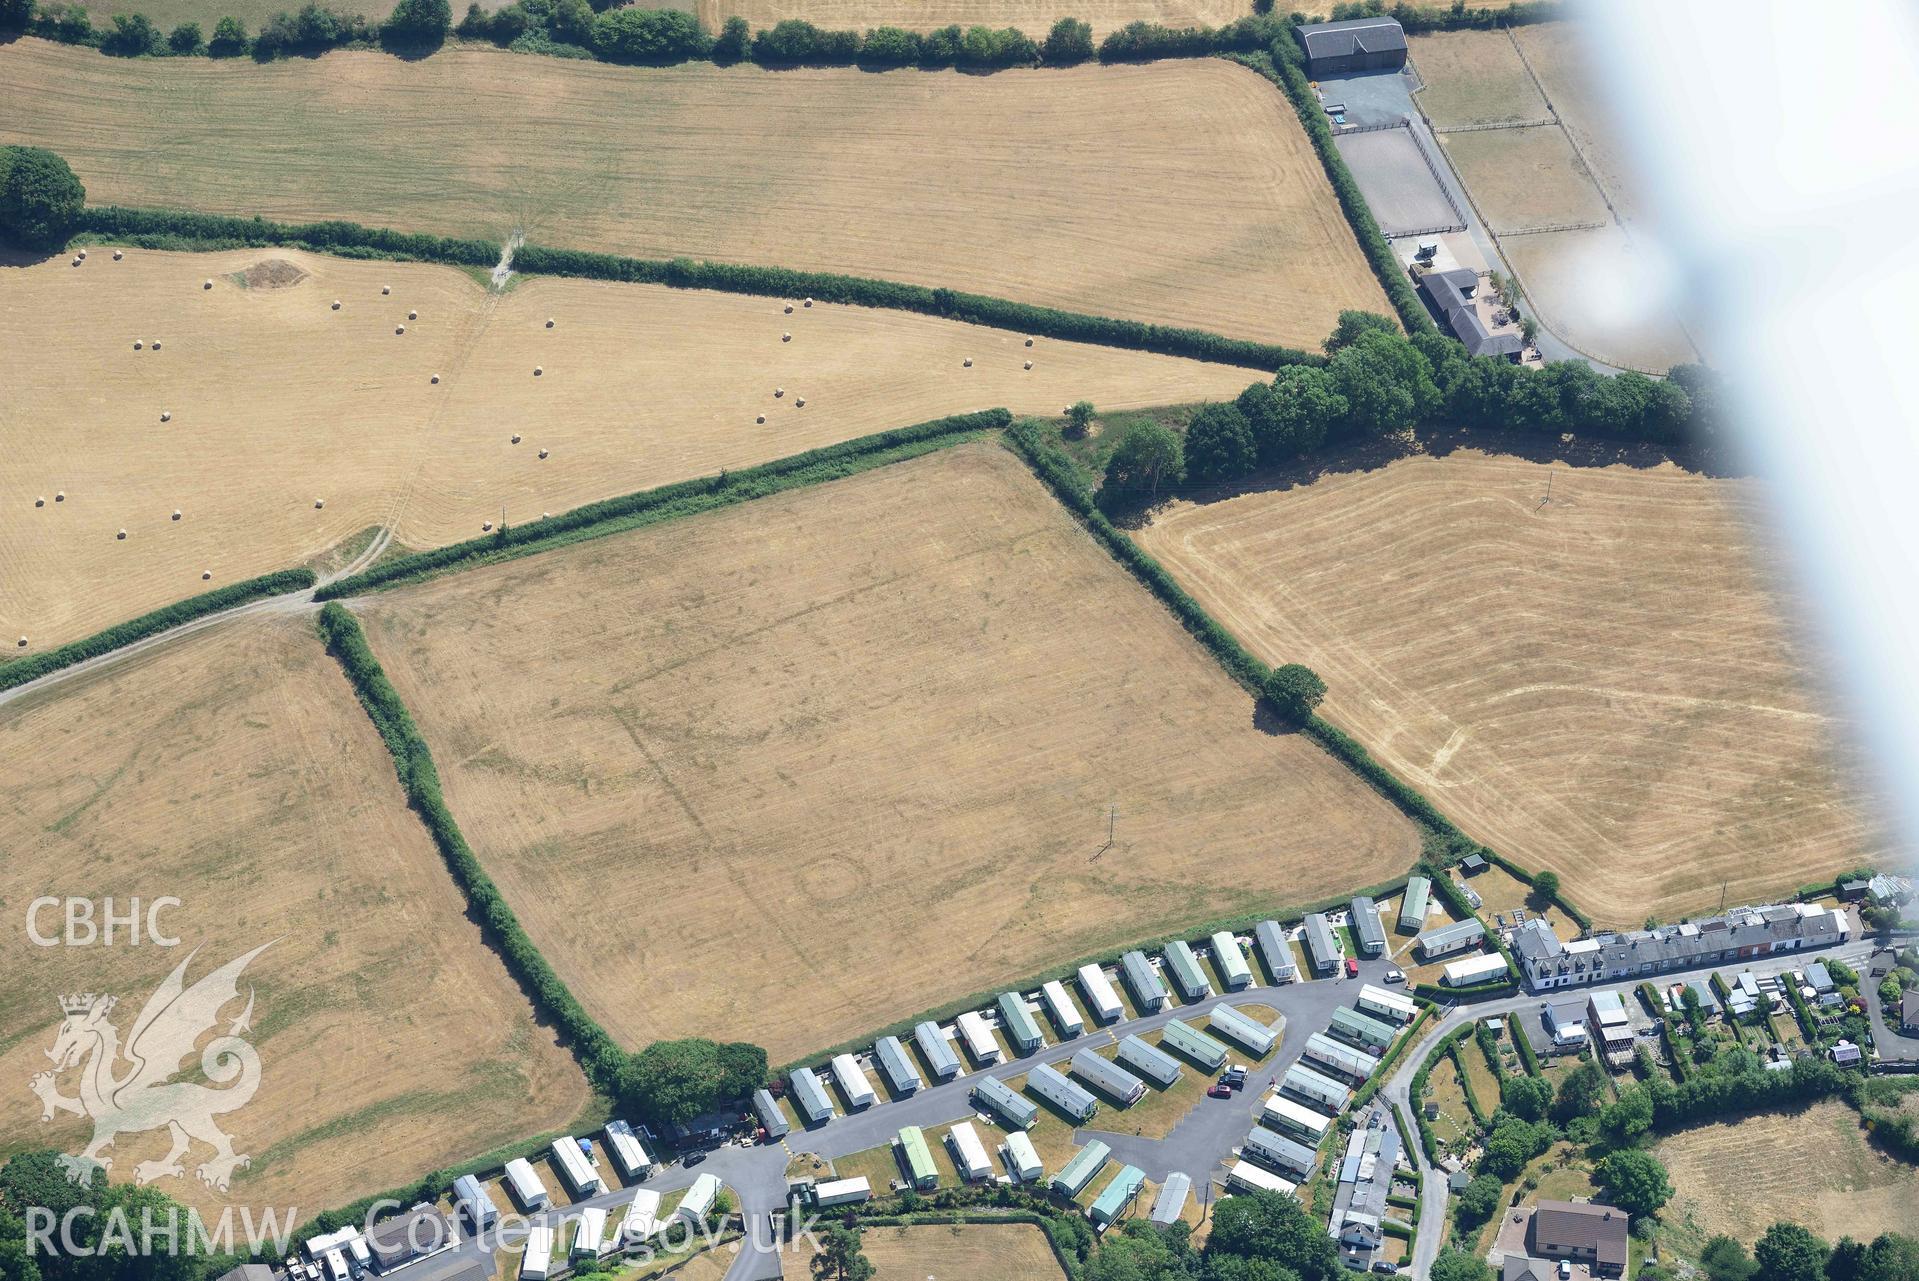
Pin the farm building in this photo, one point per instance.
(628, 1152)
(1363, 1030)
(1323, 1050)
(699, 1198)
(1279, 1151)
(1358, 44)
(1194, 1044)
(526, 1185)
(1474, 969)
(1368, 934)
(589, 1233)
(1237, 1027)
(1068, 1096)
(642, 1218)
(1021, 1028)
(939, 1055)
(475, 1202)
(897, 1064)
(537, 1261)
(842, 1192)
(1117, 1195)
(976, 1034)
(1017, 1112)
(809, 1096)
(1473, 865)
(574, 1168)
(1277, 951)
(1230, 958)
(853, 1083)
(1448, 939)
(1108, 1077)
(1317, 1088)
(1386, 1003)
(1022, 1158)
(1059, 1006)
(1451, 296)
(1247, 1177)
(917, 1158)
(969, 1154)
(771, 1118)
(1322, 945)
(1172, 1199)
(1288, 1117)
(1102, 1002)
(1149, 994)
(1187, 976)
(1412, 908)
(1149, 1061)
(1081, 1170)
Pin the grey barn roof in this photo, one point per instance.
(1355, 35)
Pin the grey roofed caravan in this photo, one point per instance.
(1021, 1028)
(1277, 951)
(810, 1096)
(1322, 948)
(897, 1064)
(1446, 939)
(1068, 1096)
(1108, 1077)
(1187, 976)
(1412, 908)
(1148, 1060)
(1019, 1112)
(939, 1055)
(1172, 1199)
(1148, 992)
(1194, 1044)
(770, 1115)
(1368, 934)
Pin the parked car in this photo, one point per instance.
(1565, 1269)
(1219, 1090)
(1352, 968)
(1236, 1076)
(1395, 976)
(693, 1159)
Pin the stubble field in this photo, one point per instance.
(1473, 78)
(234, 771)
(1605, 686)
(277, 401)
(1524, 178)
(1034, 17)
(812, 764)
(1180, 192)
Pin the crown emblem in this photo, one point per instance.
(80, 1004)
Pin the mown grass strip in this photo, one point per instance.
(670, 502)
(19, 671)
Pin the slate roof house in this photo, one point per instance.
(1583, 1231)
(1451, 294)
(1358, 44)
(1741, 934)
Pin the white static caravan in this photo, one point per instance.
(1046, 1081)
(1109, 1077)
(589, 1234)
(1386, 1004)
(853, 1082)
(810, 1097)
(1247, 1177)
(527, 1188)
(1231, 963)
(1242, 1029)
(573, 1167)
(969, 1154)
(699, 1199)
(939, 1055)
(642, 1218)
(336, 1269)
(1474, 969)
(1292, 1118)
(1022, 1158)
(1059, 1006)
(536, 1263)
(842, 1192)
(1358, 1064)
(1148, 1061)
(628, 1152)
(897, 1064)
(1277, 951)
(1102, 1002)
(1172, 1199)
(1316, 1088)
(1280, 1152)
(977, 1036)
(474, 1201)
(1149, 993)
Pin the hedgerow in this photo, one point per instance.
(21, 670)
(179, 229)
(668, 502)
(949, 304)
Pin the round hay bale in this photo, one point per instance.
(399, 329)
(165, 417)
(966, 363)
(205, 284)
(800, 403)
(549, 322)
(40, 502)
(137, 344)
(318, 503)
(176, 513)
(1029, 342)
(786, 337)
(516, 437)
(60, 497)
(759, 418)
(23, 642)
(778, 392)
(788, 310)
(809, 302)
(385, 289)
(83, 253)
(205, 574)
(413, 315)
(543, 453)
(156, 344)
(121, 536)
(545, 515)
(336, 304)
(538, 370)
(1029, 364)
(486, 527)
(76, 262)
(436, 378)
(117, 255)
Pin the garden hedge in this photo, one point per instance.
(21, 670)
(1524, 1046)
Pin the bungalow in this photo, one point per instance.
(1582, 1231)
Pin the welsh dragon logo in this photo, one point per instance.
(131, 1090)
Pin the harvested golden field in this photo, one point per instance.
(234, 771)
(960, 1252)
(863, 737)
(1034, 17)
(1181, 192)
(1600, 291)
(1524, 178)
(1741, 1177)
(1607, 686)
(278, 402)
(1474, 78)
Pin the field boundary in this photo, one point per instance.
(19, 671)
(669, 502)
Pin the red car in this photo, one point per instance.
(1352, 968)
(1219, 1090)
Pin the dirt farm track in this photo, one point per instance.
(234, 771)
(1604, 685)
(1181, 192)
(276, 402)
(811, 764)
